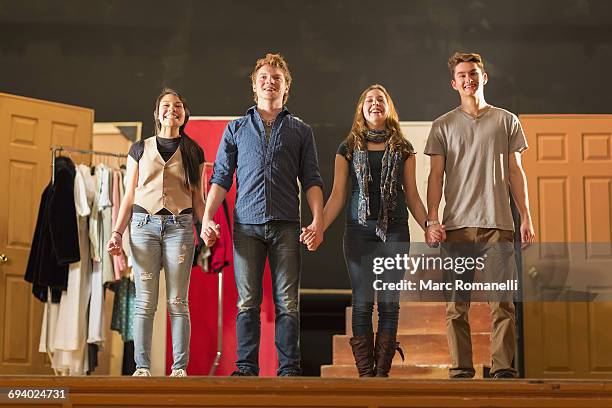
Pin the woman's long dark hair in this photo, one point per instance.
(190, 151)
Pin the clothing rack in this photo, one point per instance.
(215, 363)
(56, 149)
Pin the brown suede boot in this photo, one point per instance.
(363, 351)
(384, 350)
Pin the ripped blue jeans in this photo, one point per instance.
(161, 241)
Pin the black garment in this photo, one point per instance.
(139, 210)
(375, 157)
(56, 239)
(92, 357)
(129, 365)
(166, 148)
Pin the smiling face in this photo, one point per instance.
(170, 111)
(375, 109)
(469, 79)
(270, 84)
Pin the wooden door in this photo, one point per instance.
(569, 171)
(29, 128)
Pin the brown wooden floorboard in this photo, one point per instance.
(305, 392)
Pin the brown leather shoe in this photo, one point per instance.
(363, 351)
(384, 351)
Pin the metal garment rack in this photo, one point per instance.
(215, 364)
(56, 149)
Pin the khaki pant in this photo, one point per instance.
(503, 342)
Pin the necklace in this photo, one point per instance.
(268, 123)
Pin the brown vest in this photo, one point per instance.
(161, 184)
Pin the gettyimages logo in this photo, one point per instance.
(412, 264)
(456, 271)
(564, 272)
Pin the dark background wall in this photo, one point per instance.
(114, 56)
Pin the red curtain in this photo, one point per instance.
(204, 288)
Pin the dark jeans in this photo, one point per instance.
(361, 246)
(279, 241)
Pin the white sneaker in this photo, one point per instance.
(142, 372)
(178, 373)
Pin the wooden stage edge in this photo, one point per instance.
(309, 392)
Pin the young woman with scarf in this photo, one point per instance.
(163, 194)
(375, 165)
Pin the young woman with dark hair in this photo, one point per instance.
(164, 190)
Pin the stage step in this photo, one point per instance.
(422, 335)
(397, 371)
(419, 349)
(428, 318)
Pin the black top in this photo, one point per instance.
(166, 148)
(375, 160)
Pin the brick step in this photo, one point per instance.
(419, 349)
(397, 371)
(428, 318)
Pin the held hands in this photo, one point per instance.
(210, 232)
(434, 234)
(114, 245)
(312, 236)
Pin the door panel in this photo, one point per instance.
(569, 172)
(31, 127)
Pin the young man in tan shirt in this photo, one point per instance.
(476, 149)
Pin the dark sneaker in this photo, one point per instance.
(500, 375)
(290, 374)
(461, 375)
(243, 373)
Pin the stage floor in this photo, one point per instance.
(306, 392)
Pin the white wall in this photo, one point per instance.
(416, 133)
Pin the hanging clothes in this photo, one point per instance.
(100, 221)
(105, 206)
(55, 244)
(70, 340)
(119, 261)
(122, 320)
(100, 226)
(126, 234)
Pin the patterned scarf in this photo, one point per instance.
(388, 181)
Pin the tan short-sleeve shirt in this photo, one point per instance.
(476, 152)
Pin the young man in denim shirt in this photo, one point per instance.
(270, 150)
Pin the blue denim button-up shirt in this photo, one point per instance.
(267, 173)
